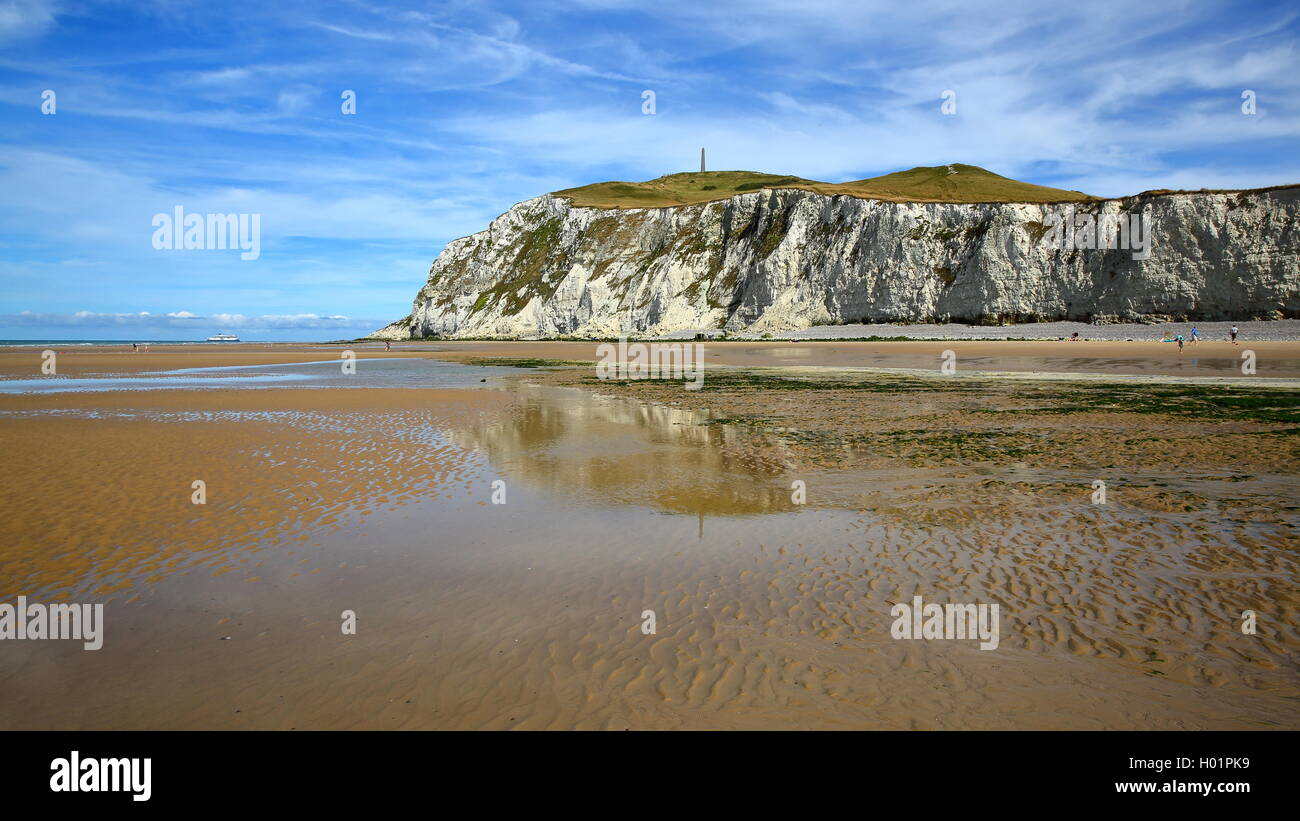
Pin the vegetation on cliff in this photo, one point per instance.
(940, 183)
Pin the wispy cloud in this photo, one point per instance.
(25, 18)
(179, 324)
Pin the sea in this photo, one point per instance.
(103, 342)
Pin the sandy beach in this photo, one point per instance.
(618, 498)
(1208, 358)
(1217, 359)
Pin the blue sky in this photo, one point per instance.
(463, 109)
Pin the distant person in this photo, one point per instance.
(1074, 337)
(1179, 340)
(135, 348)
(1232, 334)
(387, 346)
(1196, 335)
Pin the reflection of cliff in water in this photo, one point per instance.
(615, 450)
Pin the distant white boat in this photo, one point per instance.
(223, 338)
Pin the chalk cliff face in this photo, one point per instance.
(780, 259)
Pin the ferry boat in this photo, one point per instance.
(223, 338)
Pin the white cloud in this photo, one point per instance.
(25, 18)
(186, 320)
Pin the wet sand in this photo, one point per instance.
(81, 361)
(623, 497)
(100, 487)
(1217, 359)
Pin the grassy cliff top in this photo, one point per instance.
(940, 183)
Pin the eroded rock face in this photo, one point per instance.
(787, 259)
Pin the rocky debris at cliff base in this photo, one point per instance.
(1283, 330)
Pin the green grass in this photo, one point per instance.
(674, 189)
(955, 183)
(940, 183)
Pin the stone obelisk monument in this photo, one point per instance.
(701, 160)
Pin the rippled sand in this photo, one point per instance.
(100, 488)
(634, 497)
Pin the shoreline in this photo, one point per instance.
(1274, 359)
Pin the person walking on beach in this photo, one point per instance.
(1232, 334)
(135, 348)
(1179, 340)
(1196, 335)
(387, 345)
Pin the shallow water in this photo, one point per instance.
(369, 373)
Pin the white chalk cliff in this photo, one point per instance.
(780, 259)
